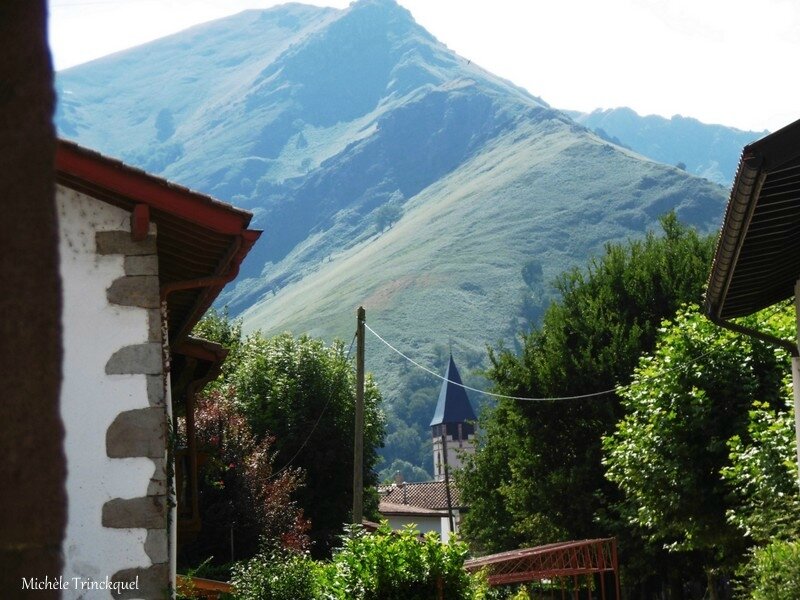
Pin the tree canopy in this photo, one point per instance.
(686, 402)
(539, 475)
(301, 393)
(696, 439)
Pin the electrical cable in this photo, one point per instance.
(355, 335)
(616, 389)
(472, 389)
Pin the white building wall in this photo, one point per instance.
(93, 330)
(456, 450)
(422, 524)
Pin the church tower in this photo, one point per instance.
(453, 424)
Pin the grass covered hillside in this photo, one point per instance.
(450, 270)
(386, 171)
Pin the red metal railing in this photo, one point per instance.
(558, 564)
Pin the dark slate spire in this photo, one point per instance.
(453, 405)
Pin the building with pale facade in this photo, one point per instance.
(141, 260)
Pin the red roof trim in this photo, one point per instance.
(137, 186)
(140, 222)
(117, 183)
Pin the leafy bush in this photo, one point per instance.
(390, 565)
(386, 565)
(775, 571)
(763, 475)
(278, 575)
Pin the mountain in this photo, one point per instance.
(709, 151)
(386, 171)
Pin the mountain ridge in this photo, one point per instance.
(386, 170)
(706, 150)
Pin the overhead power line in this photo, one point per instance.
(617, 389)
(472, 389)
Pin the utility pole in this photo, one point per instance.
(358, 445)
(447, 480)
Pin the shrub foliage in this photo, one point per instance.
(385, 565)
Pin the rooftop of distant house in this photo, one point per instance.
(429, 495)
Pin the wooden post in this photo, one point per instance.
(358, 445)
(447, 481)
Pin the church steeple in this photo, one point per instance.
(453, 405)
(452, 426)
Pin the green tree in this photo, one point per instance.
(775, 573)
(408, 472)
(387, 215)
(763, 474)
(243, 502)
(538, 476)
(685, 403)
(217, 326)
(532, 272)
(301, 392)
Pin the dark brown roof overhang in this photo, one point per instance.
(757, 260)
(201, 241)
(195, 362)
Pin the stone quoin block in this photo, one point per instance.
(153, 582)
(142, 291)
(148, 512)
(154, 325)
(120, 242)
(141, 265)
(136, 360)
(156, 547)
(140, 432)
(158, 482)
(155, 390)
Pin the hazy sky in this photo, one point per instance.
(732, 62)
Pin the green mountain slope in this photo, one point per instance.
(449, 271)
(332, 125)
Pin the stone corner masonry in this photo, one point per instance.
(141, 432)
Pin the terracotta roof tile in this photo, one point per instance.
(390, 508)
(428, 494)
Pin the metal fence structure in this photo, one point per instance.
(582, 569)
